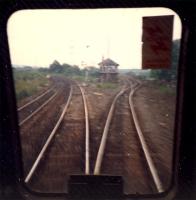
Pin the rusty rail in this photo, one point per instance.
(87, 136)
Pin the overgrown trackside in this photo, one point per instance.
(28, 82)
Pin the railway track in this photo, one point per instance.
(35, 127)
(30, 109)
(150, 162)
(109, 157)
(30, 106)
(102, 147)
(122, 150)
(34, 100)
(67, 147)
(48, 141)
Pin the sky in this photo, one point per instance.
(81, 37)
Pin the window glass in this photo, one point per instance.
(85, 104)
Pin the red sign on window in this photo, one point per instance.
(157, 42)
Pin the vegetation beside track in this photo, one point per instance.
(107, 85)
(28, 82)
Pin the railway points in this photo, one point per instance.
(73, 144)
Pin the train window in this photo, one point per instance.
(85, 104)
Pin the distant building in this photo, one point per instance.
(108, 70)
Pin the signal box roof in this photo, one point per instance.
(108, 62)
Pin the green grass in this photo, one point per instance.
(107, 85)
(27, 83)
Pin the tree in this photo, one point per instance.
(70, 70)
(76, 69)
(56, 67)
(66, 69)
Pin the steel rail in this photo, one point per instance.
(38, 109)
(87, 136)
(37, 98)
(101, 150)
(37, 161)
(145, 149)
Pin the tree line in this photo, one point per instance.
(65, 68)
(71, 70)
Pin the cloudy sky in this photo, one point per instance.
(38, 37)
